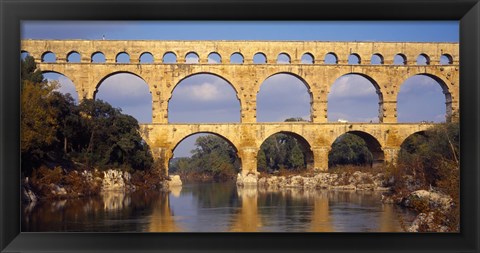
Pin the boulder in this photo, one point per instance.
(174, 181)
(248, 180)
(433, 200)
(425, 222)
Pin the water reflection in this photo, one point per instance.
(218, 208)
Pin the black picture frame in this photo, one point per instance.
(12, 12)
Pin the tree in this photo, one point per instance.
(349, 149)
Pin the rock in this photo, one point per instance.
(248, 180)
(174, 181)
(434, 200)
(57, 190)
(29, 196)
(262, 182)
(116, 180)
(426, 223)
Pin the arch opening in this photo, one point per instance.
(354, 59)
(129, 92)
(400, 59)
(214, 58)
(49, 57)
(98, 57)
(424, 98)
(236, 58)
(192, 57)
(65, 84)
(204, 97)
(205, 155)
(356, 148)
(122, 57)
(307, 58)
(284, 151)
(423, 59)
(146, 58)
(446, 59)
(169, 57)
(377, 59)
(283, 58)
(24, 54)
(259, 58)
(73, 57)
(331, 58)
(282, 96)
(355, 98)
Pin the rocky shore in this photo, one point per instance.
(419, 200)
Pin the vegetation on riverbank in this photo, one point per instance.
(61, 141)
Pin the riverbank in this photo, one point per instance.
(436, 211)
(58, 183)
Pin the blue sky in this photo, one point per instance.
(205, 98)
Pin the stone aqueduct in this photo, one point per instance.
(384, 138)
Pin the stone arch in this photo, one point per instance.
(354, 57)
(284, 58)
(72, 80)
(307, 58)
(45, 54)
(423, 56)
(209, 72)
(120, 55)
(373, 144)
(295, 75)
(448, 59)
(146, 54)
(97, 84)
(24, 54)
(99, 54)
(304, 144)
(377, 57)
(175, 142)
(375, 84)
(196, 57)
(235, 55)
(214, 58)
(169, 54)
(443, 85)
(71, 54)
(400, 59)
(262, 56)
(333, 56)
(421, 132)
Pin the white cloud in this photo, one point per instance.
(352, 86)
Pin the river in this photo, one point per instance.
(218, 207)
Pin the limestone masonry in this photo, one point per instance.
(384, 138)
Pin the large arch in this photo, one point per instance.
(128, 91)
(210, 93)
(356, 94)
(292, 91)
(304, 146)
(67, 84)
(448, 112)
(373, 145)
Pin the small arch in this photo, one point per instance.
(122, 57)
(354, 59)
(307, 58)
(24, 54)
(146, 57)
(169, 57)
(73, 57)
(423, 59)
(98, 57)
(400, 59)
(331, 58)
(373, 145)
(214, 58)
(259, 58)
(283, 58)
(192, 57)
(236, 58)
(446, 59)
(284, 149)
(49, 57)
(377, 59)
